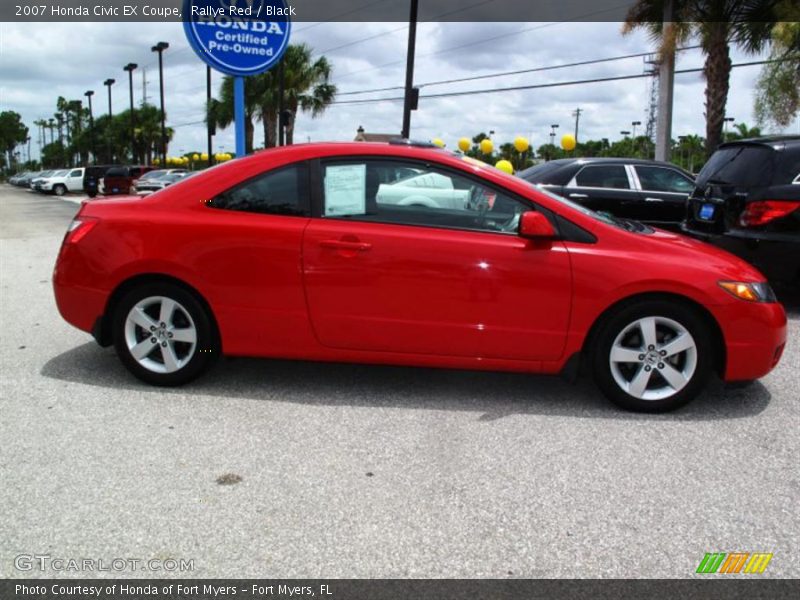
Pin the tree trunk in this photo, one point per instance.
(249, 133)
(717, 71)
(270, 129)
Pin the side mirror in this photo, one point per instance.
(535, 226)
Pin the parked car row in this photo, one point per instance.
(99, 179)
(746, 199)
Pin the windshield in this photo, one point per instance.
(741, 165)
(539, 172)
(60, 173)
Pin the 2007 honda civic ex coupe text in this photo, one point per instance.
(346, 252)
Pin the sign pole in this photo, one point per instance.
(238, 115)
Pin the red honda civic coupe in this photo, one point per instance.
(405, 254)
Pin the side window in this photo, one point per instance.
(658, 179)
(603, 176)
(412, 194)
(76, 173)
(280, 192)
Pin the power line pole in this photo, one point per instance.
(412, 94)
(577, 114)
(666, 80)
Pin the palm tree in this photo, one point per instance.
(306, 89)
(221, 111)
(715, 24)
(307, 84)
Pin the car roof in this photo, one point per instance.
(774, 141)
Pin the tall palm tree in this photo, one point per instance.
(715, 24)
(221, 111)
(306, 88)
(307, 84)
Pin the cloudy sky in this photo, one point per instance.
(68, 59)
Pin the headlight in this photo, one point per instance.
(751, 292)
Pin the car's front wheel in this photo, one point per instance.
(59, 190)
(653, 356)
(163, 334)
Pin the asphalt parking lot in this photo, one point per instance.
(364, 471)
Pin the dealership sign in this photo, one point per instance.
(238, 37)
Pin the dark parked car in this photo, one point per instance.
(645, 190)
(92, 177)
(119, 180)
(747, 201)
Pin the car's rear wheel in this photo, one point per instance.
(163, 334)
(653, 356)
(59, 190)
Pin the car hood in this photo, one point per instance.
(695, 254)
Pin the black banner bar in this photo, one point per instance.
(710, 588)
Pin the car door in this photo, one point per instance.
(604, 187)
(388, 277)
(664, 193)
(74, 181)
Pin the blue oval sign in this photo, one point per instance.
(238, 37)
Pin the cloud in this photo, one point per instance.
(368, 56)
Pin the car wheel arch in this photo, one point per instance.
(102, 329)
(720, 358)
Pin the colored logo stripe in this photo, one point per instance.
(758, 563)
(733, 562)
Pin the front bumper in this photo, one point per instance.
(755, 336)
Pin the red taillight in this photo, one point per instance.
(78, 229)
(764, 211)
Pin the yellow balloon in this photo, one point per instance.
(568, 142)
(438, 142)
(487, 146)
(156, 161)
(204, 156)
(505, 166)
(464, 144)
(228, 156)
(195, 156)
(521, 143)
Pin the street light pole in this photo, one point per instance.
(130, 67)
(160, 47)
(108, 83)
(725, 122)
(633, 125)
(89, 94)
(553, 128)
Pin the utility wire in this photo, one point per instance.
(519, 72)
(542, 85)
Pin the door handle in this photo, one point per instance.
(346, 245)
(578, 195)
(653, 199)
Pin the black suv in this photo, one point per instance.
(747, 201)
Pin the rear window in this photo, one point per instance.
(117, 172)
(744, 166)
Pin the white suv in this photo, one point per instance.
(70, 180)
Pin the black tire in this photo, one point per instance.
(198, 360)
(59, 190)
(619, 322)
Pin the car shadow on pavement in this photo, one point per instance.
(493, 395)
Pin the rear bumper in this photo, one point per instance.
(755, 336)
(79, 304)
